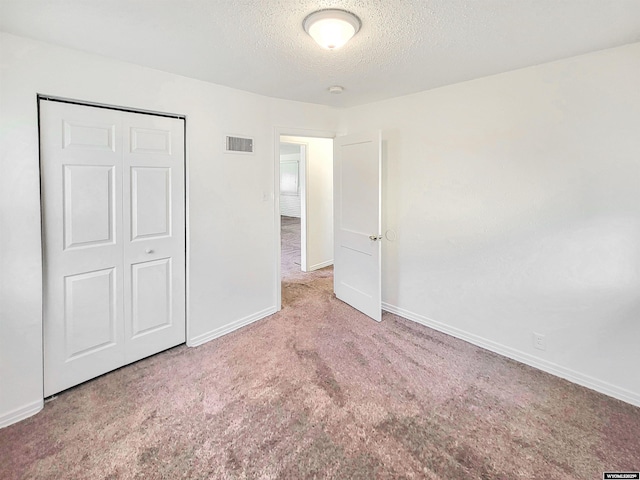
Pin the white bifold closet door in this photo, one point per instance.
(113, 239)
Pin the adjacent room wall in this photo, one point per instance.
(290, 203)
(516, 204)
(319, 191)
(232, 251)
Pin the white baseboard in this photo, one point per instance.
(522, 357)
(318, 266)
(21, 413)
(230, 327)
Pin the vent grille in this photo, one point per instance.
(235, 144)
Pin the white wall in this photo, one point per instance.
(516, 203)
(231, 270)
(319, 200)
(290, 204)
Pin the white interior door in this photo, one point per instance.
(357, 221)
(154, 234)
(81, 166)
(113, 239)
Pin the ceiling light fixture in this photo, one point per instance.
(331, 28)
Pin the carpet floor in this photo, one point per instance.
(290, 251)
(318, 390)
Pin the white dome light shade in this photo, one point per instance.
(332, 28)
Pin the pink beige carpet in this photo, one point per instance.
(290, 251)
(320, 391)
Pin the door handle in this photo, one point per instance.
(148, 250)
(375, 237)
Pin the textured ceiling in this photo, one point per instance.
(405, 46)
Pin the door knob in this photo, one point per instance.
(148, 250)
(375, 237)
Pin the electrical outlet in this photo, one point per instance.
(539, 341)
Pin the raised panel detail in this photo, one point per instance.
(88, 193)
(88, 136)
(89, 312)
(151, 296)
(145, 140)
(150, 202)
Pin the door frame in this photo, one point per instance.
(44, 97)
(277, 133)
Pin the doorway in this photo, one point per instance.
(292, 205)
(304, 188)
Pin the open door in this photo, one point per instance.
(357, 222)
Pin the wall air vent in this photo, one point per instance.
(237, 144)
